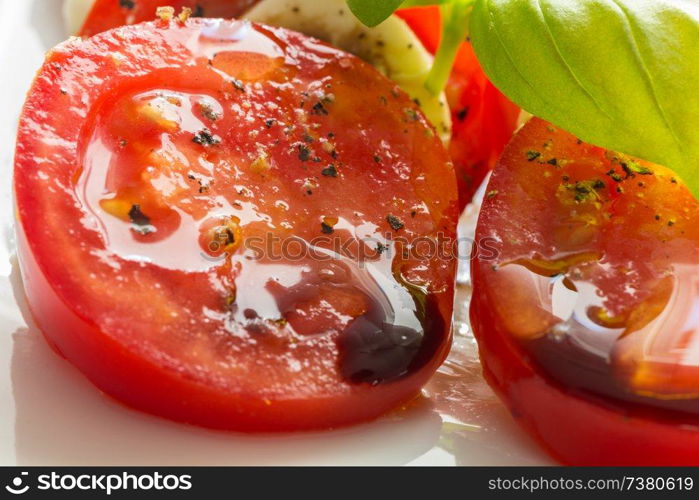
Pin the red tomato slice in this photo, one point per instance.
(585, 301)
(108, 14)
(483, 119)
(215, 220)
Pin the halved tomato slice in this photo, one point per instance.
(483, 119)
(585, 303)
(108, 14)
(218, 224)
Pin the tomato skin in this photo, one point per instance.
(108, 14)
(576, 424)
(483, 119)
(106, 331)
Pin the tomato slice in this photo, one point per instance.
(108, 14)
(216, 225)
(483, 119)
(585, 300)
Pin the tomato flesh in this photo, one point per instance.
(585, 306)
(107, 14)
(483, 119)
(215, 220)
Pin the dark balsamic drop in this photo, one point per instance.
(384, 344)
(250, 314)
(564, 361)
(375, 351)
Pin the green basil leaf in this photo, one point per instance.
(621, 74)
(373, 12)
(424, 3)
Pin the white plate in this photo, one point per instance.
(51, 415)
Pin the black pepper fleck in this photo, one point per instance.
(614, 175)
(411, 114)
(462, 114)
(205, 138)
(319, 109)
(209, 112)
(395, 223)
(329, 171)
(532, 155)
(304, 152)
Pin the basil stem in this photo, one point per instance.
(455, 22)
